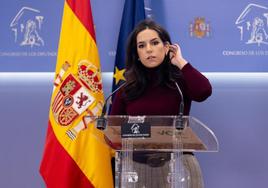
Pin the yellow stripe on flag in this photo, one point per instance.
(75, 42)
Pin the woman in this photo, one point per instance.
(153, 65)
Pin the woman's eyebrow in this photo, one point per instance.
(154, 39)
(150, 40)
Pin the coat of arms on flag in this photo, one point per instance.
(74, 96)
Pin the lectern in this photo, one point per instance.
(129, 135)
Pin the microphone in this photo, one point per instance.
(179, 120)
(101, 120)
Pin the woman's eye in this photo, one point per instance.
(140, 46)
(155, 43)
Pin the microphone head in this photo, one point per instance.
(101, 123)
(179, 125)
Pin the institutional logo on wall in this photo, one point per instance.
(253, 24)
(26, 27)
(200, 28)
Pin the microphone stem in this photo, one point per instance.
(179, 122)
(101, 120)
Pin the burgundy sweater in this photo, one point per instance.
(161, 100)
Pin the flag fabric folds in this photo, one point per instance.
(133, 13)
(75, 153)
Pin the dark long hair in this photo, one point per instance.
(136, 73)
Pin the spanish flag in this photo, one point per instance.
(75, 155)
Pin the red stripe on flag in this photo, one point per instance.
(83, 11)
(58, 169)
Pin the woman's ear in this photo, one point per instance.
(166, 46)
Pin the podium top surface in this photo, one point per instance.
(158, 133)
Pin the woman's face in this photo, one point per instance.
(151, 50)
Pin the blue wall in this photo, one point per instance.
(236, 111)
(221, 45)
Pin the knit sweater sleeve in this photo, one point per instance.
(196, 86)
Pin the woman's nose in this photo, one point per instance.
(148, 48)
